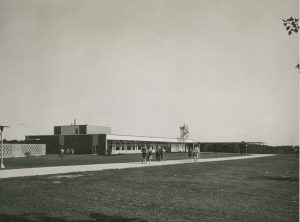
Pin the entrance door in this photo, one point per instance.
(94, 149)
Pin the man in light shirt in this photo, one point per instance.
(197, 154)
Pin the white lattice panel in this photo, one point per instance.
(7, 150)
(19, 150)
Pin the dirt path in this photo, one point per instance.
(97, 167)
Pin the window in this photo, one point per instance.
(82, 129)
(57, 130)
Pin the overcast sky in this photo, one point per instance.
(226, 68)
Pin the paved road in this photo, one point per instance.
(97, 167)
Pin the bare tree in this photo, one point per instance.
(184, 134)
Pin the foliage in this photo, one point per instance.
(291, 25)
(252, 148)
(184, 132)
(27, 154)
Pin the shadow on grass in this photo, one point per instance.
(280, 178)
(39, 217)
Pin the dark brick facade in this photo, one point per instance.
(82, 144)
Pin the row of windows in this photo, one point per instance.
(132, 145)
(127, 148)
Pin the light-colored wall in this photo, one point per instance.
(19, 150)
(177, 147)
(69, 130)
(98, 129)
(125, 151)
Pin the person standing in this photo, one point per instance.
(162, 154)
(62, 153)
(157, 153)
(144, 153)
(190, 153)
(68, 151)
(149, 155)
(197, 153)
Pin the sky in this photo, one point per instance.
(225, 68)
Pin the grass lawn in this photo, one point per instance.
(55, 160)
(262, 189)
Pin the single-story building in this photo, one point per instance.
(99, 140)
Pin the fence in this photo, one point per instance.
(22, 150)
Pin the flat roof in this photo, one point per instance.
(242, 142)
(81, 125)
(145, 138)
(128, 138)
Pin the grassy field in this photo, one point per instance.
(263, 189)
(55, 160)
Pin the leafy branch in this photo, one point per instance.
(292, 26)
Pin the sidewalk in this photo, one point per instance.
(97, 167)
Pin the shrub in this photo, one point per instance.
(27, 154)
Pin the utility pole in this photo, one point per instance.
(1, 130)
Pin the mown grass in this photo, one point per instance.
(263, 189)
(55, 160)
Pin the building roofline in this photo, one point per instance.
(112, 135)
(72, 125)
(82, 125)
(233, 142)
(153, 137)
(150, 137)
(142, 136)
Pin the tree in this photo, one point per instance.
(292, 26)
(184, 134)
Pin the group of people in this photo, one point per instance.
(68, 151)
(195, 153)
(147, 154)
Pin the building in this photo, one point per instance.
(99, 140)
(81, 129)
(230, 147)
